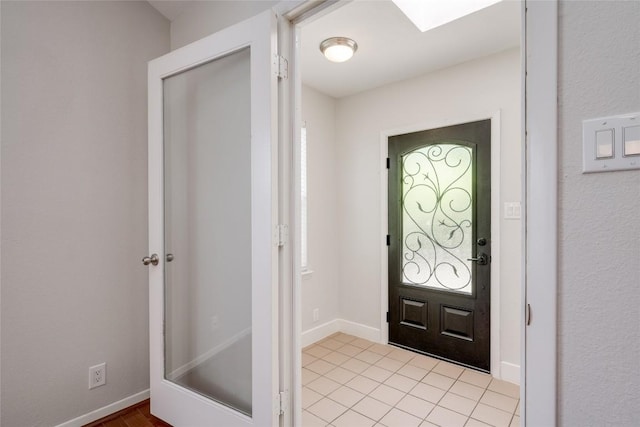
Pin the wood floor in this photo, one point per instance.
(138, 415)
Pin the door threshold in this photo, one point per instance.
(434, 356)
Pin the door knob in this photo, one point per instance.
(153, 259)
(482, 259)
(170, 257)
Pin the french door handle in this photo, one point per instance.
(153, 259)
(482, 259)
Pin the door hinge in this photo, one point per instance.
(388, 163)
(388, 240)
(281, 404)
(281, 234)
(388, 318)
(282, 67)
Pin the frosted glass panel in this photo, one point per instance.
(207, 190)
(437, 215)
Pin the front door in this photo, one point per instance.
(212, 215)
(440, 242)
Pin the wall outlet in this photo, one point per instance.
(316, 314)
(97, 375)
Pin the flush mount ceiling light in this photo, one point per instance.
(338, 49)
(428, 14)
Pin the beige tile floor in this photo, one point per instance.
(352, 382)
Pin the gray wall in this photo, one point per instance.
(74, 204)
(599, 242)
(203, 18)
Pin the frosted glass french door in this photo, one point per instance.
(212, 200)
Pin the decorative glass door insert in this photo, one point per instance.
(437, 217)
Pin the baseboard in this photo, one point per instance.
(208, 355)
(359, 330)
(106, 410)
(339, 325)
(318, 333)
(510, 372)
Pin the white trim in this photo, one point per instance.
(320, 332)
(496, 168)
(106, 410)
(340, 325)
(207, 355)
(541, 210)
(510, 372)
(496, 210)
(359, 330)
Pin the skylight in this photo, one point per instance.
(429, 14)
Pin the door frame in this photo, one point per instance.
(539, 50)
(495, 222)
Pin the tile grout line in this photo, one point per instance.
(392, 373)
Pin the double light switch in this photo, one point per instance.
(611, 143)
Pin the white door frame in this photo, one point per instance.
(539, 206)
(496, 168)
(540, 209)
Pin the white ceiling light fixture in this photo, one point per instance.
(429, 14)
(338, 49)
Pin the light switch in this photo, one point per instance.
(631, 140)
(611, 143)
(512, 210)
(604, 144)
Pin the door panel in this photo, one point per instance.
(207, 140)
(440, 243)
(212, 212)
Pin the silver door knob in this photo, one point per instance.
(170, 257)
(153, 259)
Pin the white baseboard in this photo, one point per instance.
(318, 333)
(208, 355)
(510, 372)
(339, 325)
(359, 330)
(106, 410)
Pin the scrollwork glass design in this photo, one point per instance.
(437, 215)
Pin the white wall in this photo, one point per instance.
(599, 240)
(320, 289)
(74, 204)
(467, 90)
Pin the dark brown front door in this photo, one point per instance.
(440, 242)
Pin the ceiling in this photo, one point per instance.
(391, 48)
(169, 8)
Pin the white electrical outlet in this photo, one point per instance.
(97, 375)
(316, 314)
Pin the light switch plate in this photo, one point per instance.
(598, 155)
(512, 210)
